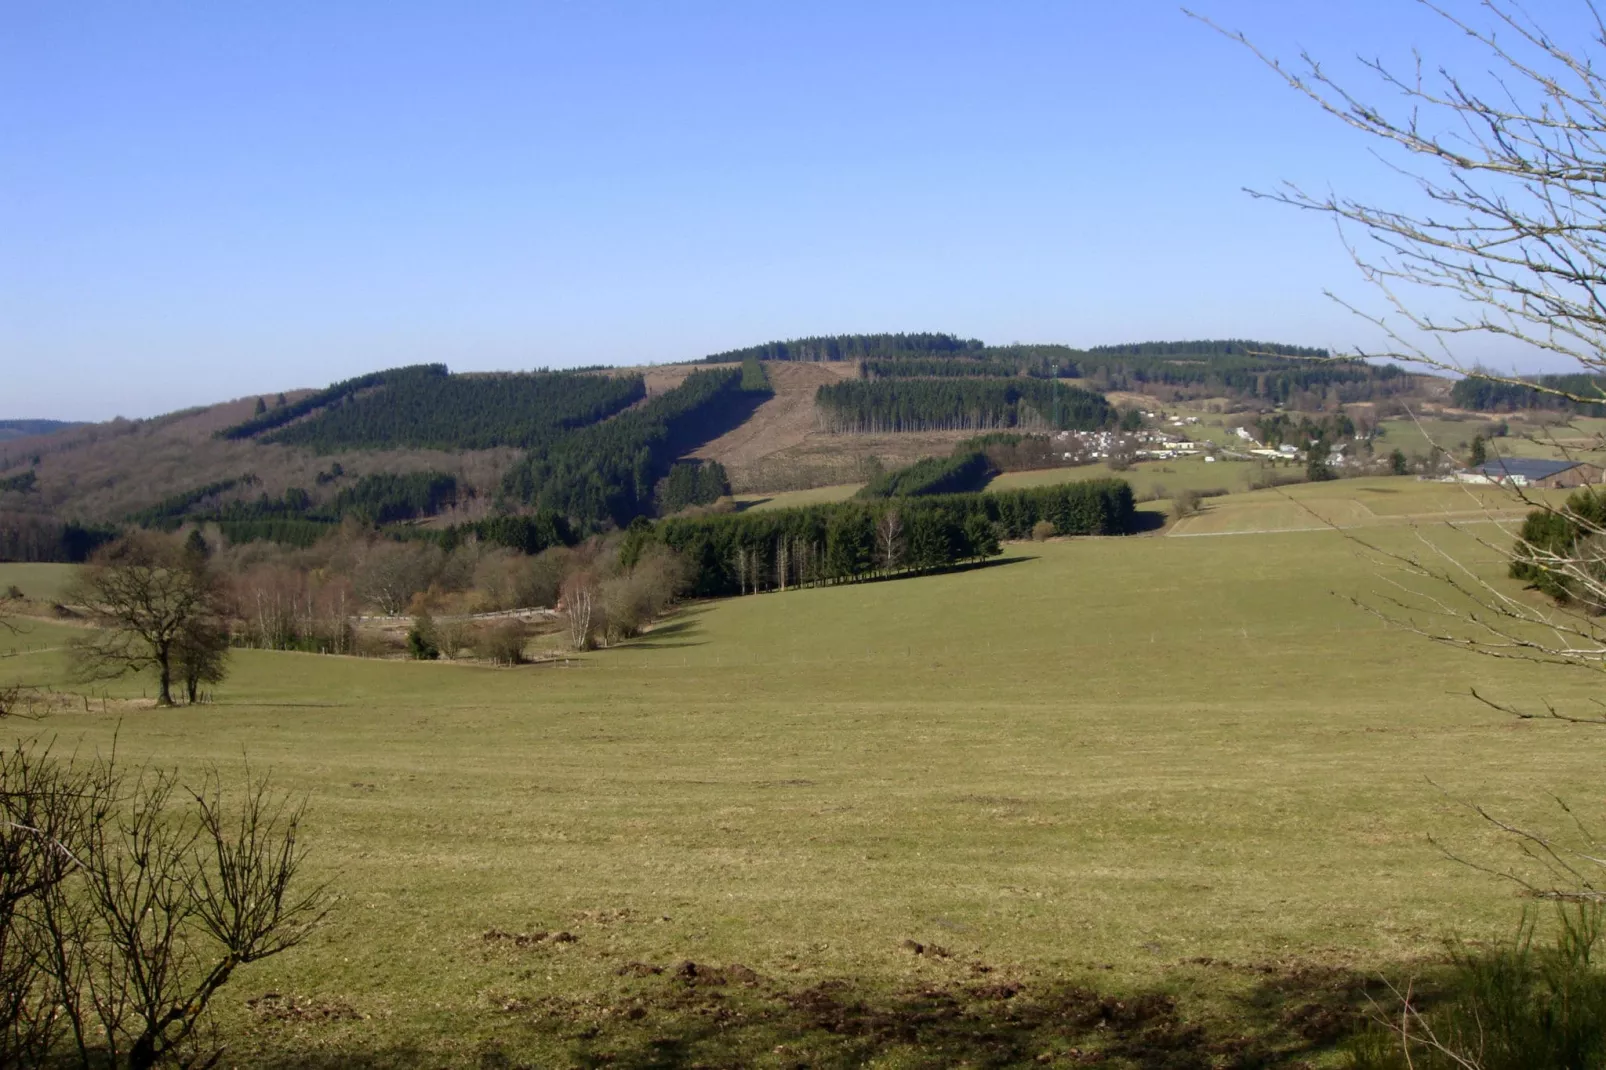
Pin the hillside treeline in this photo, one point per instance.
(280, 415)
(382, 498)
(1484, 395)
(27, 537)
(465, 412)
(892, 405)
(693, 483)
(851, 347)
(747, 553)
(605, 474)
(1211, 347)
(1278, 380)
(936, 368)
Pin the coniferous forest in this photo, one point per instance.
(968, 469)
(747, 553)
(892, 405)
(853, 347)
(464, 412)
(267, 419)
(606, 473)
(1484, 395)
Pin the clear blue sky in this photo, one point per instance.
(204, 201)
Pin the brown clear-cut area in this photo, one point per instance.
(780, 447)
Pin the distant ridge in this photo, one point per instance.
(10, 429)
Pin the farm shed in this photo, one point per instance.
(1530, 472)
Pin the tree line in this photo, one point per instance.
(850, 347)
(380, 498)
(464, 412)
(892, 405)
(958, 367)
(280, 415)
(692, 483)
(752, 552)
(26, 537)
(1487, 395)
(967, 470)
(606, 473)
(1214, 347)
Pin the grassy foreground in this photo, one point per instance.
(1117, 791)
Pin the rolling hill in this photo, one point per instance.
(593, 448)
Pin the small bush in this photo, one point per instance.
(1185, 504)
(421, 639)
(1042, 530)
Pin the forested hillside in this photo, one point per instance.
(965, 367)
(430, 409)
(895, 405)
(1211, 347)
(12, 429)
(1484, 395)
(401, 446)
(605, 473)
(266, 419)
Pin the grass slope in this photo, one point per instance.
(1099, 762)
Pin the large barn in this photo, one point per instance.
(1531, 472)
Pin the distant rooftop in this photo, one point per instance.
(1527, 467)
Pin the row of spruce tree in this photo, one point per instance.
(747, 553)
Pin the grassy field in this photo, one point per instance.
(787, 499)
(1184, 771)
(37, 582)
(1356, 503)
(1159, 479)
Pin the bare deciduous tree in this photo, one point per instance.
(579, 607)
(889, 540)
(389, 574)
(150, 600)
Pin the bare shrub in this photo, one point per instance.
(127, 901)
(1185, 504)
(1042, 531)
(502, 643)
(453, 636)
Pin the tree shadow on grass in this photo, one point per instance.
(694, 1015)
(1144, 522)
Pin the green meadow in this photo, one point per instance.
(1142, 797)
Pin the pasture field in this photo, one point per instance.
(787, 499)
(1367, 502)
(1141, 796)
(37, 582)
(1159, 479)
